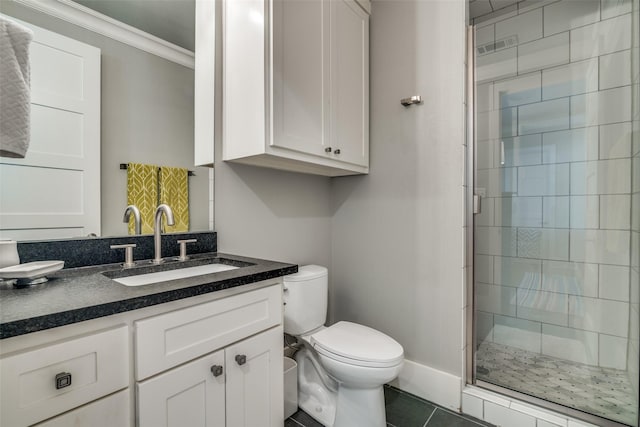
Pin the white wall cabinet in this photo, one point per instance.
(296, 85)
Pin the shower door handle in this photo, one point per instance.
(477, 206)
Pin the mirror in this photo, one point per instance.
(146, 104)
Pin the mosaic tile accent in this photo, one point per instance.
(604, 392)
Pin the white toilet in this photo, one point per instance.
(341, 368)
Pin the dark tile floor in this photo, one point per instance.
(404, 410)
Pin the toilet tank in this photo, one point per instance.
(305, 297)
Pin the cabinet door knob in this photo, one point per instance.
(241, 359)
(336, 151)
(63, 379)
(216, 370)
(327, 150)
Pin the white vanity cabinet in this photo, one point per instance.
(209, 360)
(296, 85)
(227, 379)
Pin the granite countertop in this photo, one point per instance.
(84, 293)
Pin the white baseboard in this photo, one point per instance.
(431, 384)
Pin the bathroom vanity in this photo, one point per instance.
(204, 350)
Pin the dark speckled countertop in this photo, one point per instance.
(84, 293)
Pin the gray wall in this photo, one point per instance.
(146, 117)
(397, 248)
(392, 239)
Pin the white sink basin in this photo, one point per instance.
(179, 273)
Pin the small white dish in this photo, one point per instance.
(31, 270)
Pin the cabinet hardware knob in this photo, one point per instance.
(336, 151)
(63, 379)
(327, 150)
(216, 370)
(241, 359)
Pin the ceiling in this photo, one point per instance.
(479, 8)
(174, 20)
(171, 20)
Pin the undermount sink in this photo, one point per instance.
(172, 271)
(180, 273)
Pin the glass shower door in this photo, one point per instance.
(556, 283)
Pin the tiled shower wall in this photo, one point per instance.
(554, 164)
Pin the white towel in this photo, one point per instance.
(15, 92)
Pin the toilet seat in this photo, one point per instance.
(357, 345)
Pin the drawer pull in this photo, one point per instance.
(327, 150)
(241, 359)
(216, 370)
(336, 151)
(63, 379)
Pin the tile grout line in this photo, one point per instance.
(430, 416)
(296, 421)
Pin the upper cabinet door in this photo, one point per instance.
(301, 71)
(350, 82)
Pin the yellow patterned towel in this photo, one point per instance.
(174, 191)
(142, 191)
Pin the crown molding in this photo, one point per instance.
(97, 22)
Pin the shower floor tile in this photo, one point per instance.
(604, 392)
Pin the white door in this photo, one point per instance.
(350, 82)
(301, 71)
(59, 179)
(254, 381)
(190, 395)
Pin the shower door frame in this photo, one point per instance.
(472, 205)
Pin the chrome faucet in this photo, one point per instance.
(157, 225)
(133, 209)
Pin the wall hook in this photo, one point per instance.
(415, 99)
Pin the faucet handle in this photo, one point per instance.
(128, 254)
(183, 248)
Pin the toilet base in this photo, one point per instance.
(360, 408)
(314, 397)
(336, 405)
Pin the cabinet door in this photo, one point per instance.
(254, 381)
(350, 82)
(189, 395)
(301, 71)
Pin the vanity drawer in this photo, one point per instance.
(111, 411)
(98, 364)
(173, 338)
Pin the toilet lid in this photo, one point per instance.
(358, 344)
